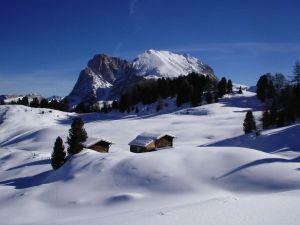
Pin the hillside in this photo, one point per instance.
(214, 172)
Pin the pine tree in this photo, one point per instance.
(281, 119)
(58, 155)
(25, 101)
(77, 135)
(222, 87)
(273, 112)
(35, 102)
(44, 103)
(262, 86)
(240, 91)
(266, 119)
(229, 87)
(279, 81)
(297, 72)
(81, 108)
(249, 123)
(209, 98)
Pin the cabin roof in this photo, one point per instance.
(145, 138)
(93, 140)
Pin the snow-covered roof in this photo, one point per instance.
(145, 138)
(92, 140)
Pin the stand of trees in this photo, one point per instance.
(77, 135)
(191, 88)
(62, 105)
(282, 99)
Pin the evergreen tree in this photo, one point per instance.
(81, 108)
(222, 87)
(77, 135)
(279, 81)
(273, 112)
(209, 98)
(58, 155)
(216, 98)
(249, 124)
(19, 102)
(229, 87)
(280, 120)
(266, 119)
(44, 103)
(270, 90)
(105, 107)
(240, 91)
(2, 102)
(195, 97)
(25, 101)
(297, 72)
(262, 86)
(115, 104)
(64, 104)
(34, 103)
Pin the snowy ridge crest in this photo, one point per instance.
(157, 64)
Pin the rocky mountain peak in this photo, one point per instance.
(106, 78)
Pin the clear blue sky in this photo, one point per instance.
(45, 43)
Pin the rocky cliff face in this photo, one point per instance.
(100, 78)
(106, 78)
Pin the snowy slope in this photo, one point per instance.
(156, 64)
(199, 181)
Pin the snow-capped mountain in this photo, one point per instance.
(106, 78)
(156, 64)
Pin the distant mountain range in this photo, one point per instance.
(106, 78)
(11, 98)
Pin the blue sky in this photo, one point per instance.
(45, 43)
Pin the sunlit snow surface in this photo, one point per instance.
(213, 175)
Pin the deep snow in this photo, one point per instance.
(213, 175)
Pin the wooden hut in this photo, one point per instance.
(97, 144)
(147, 142)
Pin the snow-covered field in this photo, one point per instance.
(213, 175)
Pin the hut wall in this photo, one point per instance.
(139, 149)
(164, 142)
(99, 147)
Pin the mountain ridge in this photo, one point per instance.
(106, 78)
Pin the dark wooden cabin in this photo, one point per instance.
(99, 145)
(148, 142)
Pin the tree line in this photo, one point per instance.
(281, 98)
(282, 102)
(62, 105)
(193, 89)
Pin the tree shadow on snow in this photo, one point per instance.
(260, 162)
(243, 102)
(30, 181)
(34, 163)
(272, 142)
